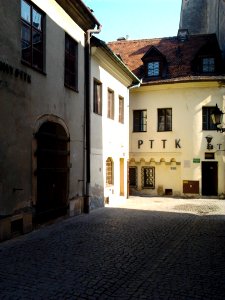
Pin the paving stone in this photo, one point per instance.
(146, 248)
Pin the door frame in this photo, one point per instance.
(38, 123)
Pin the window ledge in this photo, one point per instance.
(33, 68)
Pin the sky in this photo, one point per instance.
(136, 19)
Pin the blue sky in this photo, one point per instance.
(136, 19)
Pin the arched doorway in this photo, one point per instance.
(52, 161)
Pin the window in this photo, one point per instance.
(207, 123)
(109, 171)
(208, 65)
(133, 176)
(121, 110)
(139, 120)
(97, 105)
(110, 113)
(148, 177)
(71, 63)
(153, 69)
(164, 119)
(32, 35)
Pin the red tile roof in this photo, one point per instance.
(179, 55)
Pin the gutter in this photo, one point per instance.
(87, 114)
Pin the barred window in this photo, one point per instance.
(148, 177)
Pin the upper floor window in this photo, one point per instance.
(121, 109)
(207, 123)
(153, 69)
(32, 35)
(71, 63)
(97, 105)
(208, 65)
(139, 120)
(164, 119)
(110, 113)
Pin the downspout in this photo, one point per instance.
(87, 114)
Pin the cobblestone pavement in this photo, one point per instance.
(145, 248)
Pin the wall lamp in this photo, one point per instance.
(217, 118)
(209, 140)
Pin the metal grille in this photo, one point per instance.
(148, 177)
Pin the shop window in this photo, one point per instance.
(97, 105)
(148, 177)
(139, 120)
(71, 63)
(32, 35)
(165, 119)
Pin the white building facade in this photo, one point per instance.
(110, 82)
(42, 95)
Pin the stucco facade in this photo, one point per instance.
(109, 135)
(30, 98)
(176, 156)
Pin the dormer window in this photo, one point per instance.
(155, 64)
(153, 68)
(208, 64)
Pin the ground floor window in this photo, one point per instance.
(133, 176)
(109, 171)
(148, 177)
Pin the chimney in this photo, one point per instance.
(182, 35)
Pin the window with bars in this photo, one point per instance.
(71, 63)
(165, 119)
(110, 113)
(109, 171)
(140, 120)
(97, 105)
(148, 177)
(133, 176)
(32, 35)
(207, 123)
(121, 109)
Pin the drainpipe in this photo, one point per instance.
(87, 113)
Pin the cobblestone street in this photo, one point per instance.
(145, 248)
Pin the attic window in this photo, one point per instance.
(208, 65)
(153, 68)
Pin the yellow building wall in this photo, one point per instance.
(186, 144)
